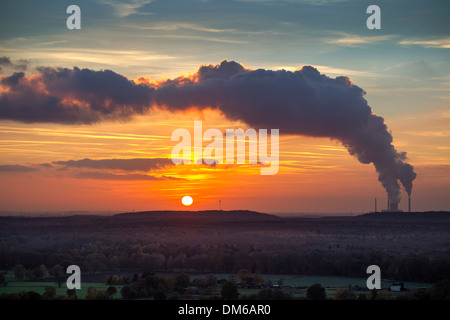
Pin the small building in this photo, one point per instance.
(397, 287)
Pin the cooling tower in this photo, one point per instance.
(393, 207)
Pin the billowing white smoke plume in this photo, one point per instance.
(303, 102)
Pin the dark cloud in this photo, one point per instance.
(212, 163)
(113, 176)
(21, 65)
(224, 70)
(139, 164)
(15, 168)
(303, 102)
(72, 96)
(46, 165)
(5, 61)
(13, 81)
(180, 81)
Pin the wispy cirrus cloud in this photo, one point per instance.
(16, 168)
(126, 8)
(442, 43)
(346, 39)
(101, 56)
(113, 176)
(176, 26)
(309, 2)
(107, 169)
(138, 164)
(331, 70)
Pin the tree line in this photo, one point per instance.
(100, 256)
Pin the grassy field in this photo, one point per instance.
(39, 287)
(295, 285)
(325, 281)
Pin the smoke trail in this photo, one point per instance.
(303, 102)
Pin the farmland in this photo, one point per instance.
(149, 251)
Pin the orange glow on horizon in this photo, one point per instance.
(312, 170)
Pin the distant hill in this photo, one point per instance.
(204, 216)
(407, 216)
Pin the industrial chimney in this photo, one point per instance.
(409, 203)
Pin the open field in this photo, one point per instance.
(295, 285)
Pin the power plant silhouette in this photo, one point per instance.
(393, 206)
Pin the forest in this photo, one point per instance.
(406, 246)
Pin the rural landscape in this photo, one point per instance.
(210, 152)
(190, 255)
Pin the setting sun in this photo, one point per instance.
(187, 201)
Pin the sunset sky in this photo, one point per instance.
(52, 162)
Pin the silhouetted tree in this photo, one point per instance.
(182, 281)
(159, 296)
(91, 293)
(72, 294)
(31, 295)
(199, 282)
(19, 272)
(115, 280)
(316, 292)
(49, 293)
(44, 270)
(39, 272)
(111, 291)
(128, 293)
(258, 278)
(102, 294)
(343, 294)
(265, 294)
(229, 291)
(211, 281)
(362, 296)
(243, 275)
(57, 271)
(280, 295)
(440, 291)
(374, 293)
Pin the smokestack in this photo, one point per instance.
(388, 205)
(409, 204)
(375, 204)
